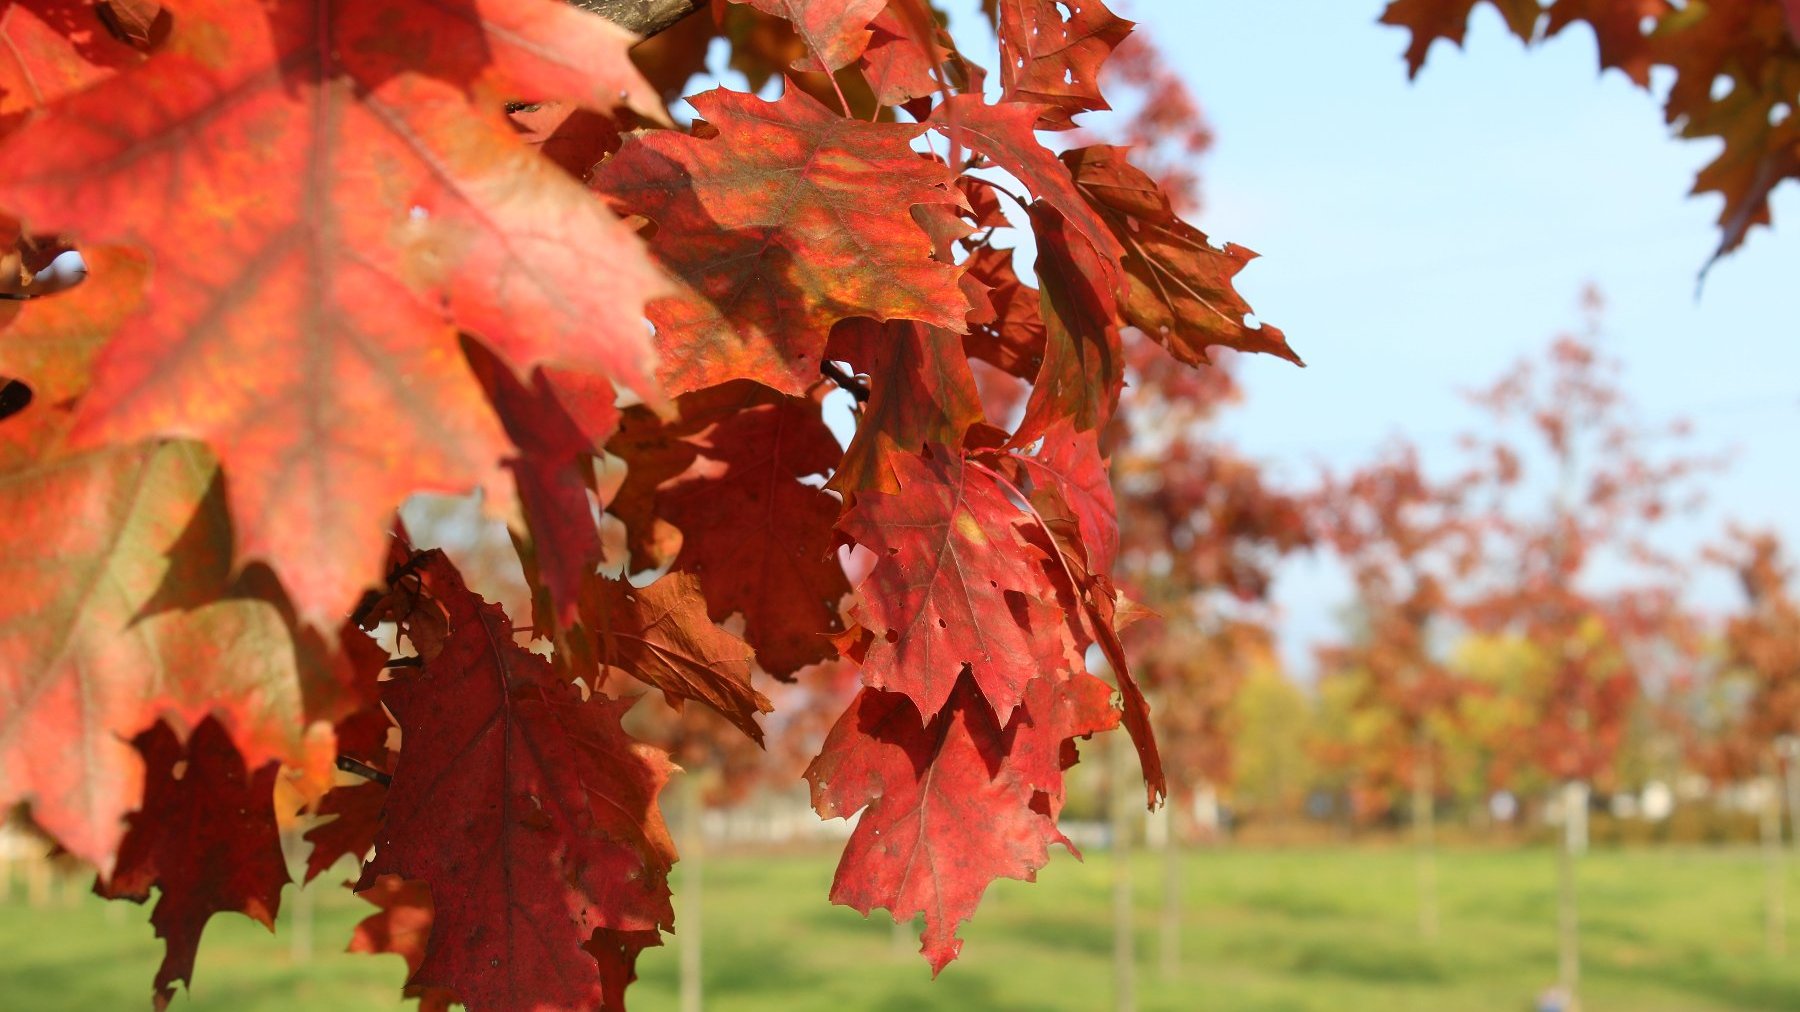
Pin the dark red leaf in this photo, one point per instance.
(950, 805)
(205, 837)
(523, 807)
(954, 587)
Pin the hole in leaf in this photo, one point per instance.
(893, 635)
(14, 397)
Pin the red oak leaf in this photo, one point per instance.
(358, 194)
(558, 424)
(896, 66)
(1106, 611)
(402, 926)
(1430, 20)
(524, 808)
(1055, 60)
(53, 48)
(575, 138)
(950, 805)
(93, 648)
(1005, 134)
(782, 218)
(355, 811)
(1056, 712)
(835, 31)
(1010, 335)
(1618, 30)
(205, 837)
(661, 634)
(921, 392)
(687, 481)
(757, 537)
(1179, 285)
(1070, 465)
(658, 449)
(954, 587)
(1083, 368)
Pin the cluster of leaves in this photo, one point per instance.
(344, 252)
(1734, 66)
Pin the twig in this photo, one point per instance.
(356, 767)
(846, 382)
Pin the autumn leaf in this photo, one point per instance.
(354, 811)
(835, 31)
(951, 804)
(1069, 465)
(1618, 30)
(1735, 66)
(1005, 134)
(402, 926)
(328, 190)
(53, 48)
(758, 537)
(1053, 59)
(724, 490)
(898, 66)
(93, 649)
(782, 218)
(954, 587)
(661, 635)
(558, 423)
(205, 837)
(553, 830)
(1084, 365)
(1179, 285)
(1010, 334)
(1430, 20)
(921, 393)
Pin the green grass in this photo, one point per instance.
(1266, 930)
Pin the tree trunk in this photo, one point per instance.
(1775, 884)
(1568, 919)
(1424, 825)
(1124, 797)
(693, 854)
(641, 17)
(37, 883)
(1171, 904)
(300, 927)
(1790, 777)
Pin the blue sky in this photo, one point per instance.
(1419, 237)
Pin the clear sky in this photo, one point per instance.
(1418, 237)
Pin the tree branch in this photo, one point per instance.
(642, 17)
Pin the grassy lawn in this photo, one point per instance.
(1269, 930)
